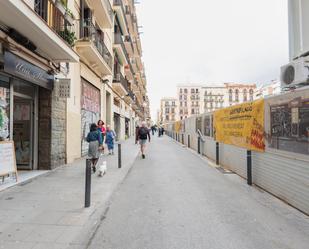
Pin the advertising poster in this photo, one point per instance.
(241, 125)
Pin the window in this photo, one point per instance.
(230, 95)
(173, 103)
(167, 110)
(167, 117)
(166, 103)
(181, 111)
(173, 110)
(251, 94)
(207, 126)
(180, 97)
(192, 90)
(196, 90)
(185, 104)
(180, 104)
(180, 90)
(205, 93)
(185, 97)
(192, 97)
(237, 95)
(185, 90)
(290, 127)
(245, 95)
(4, 108)
(192, 111)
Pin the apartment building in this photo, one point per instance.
(268, 89)
(168, 110)
(63, 67)
(197, 99)
(189, 98)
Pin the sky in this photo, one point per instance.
(210, 42)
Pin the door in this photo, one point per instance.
(23, 132)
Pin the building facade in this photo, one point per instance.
(63, 67)
(268, 89)
(168, 110)
(198, 99)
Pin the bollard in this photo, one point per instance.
(119, 156)
(88, 183)
(217, 153)
(199, 145)
(249, 167)
(188, 141)
(183, 139)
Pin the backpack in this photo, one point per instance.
(143, 132)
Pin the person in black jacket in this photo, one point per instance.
(142, 135)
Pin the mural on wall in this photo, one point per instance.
(90, 111)
(4, 113)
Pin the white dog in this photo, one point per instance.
(102, 168)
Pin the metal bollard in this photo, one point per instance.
(217, 153)
(199, 145)
(119, 156)
(188, 141)
(249, 167)
(183, 139)
(88, 184)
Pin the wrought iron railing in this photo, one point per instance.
(96, 36)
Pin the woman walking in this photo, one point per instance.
(94, 138)
(110, 139)
(102, 131)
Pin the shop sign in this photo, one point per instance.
(241, 125)
(8, 160)
(25, 70)
(64, 88)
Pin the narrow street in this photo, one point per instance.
(174, 199)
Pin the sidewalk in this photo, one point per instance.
(48, 212)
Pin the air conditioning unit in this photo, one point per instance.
(295, 73)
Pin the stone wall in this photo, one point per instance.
(52, 129)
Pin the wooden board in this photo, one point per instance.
(7, 158)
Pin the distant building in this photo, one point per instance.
(168, 110)
(269, 89)
(197, 99)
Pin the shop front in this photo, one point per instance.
(21, 82)
(90, 110)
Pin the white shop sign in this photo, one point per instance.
(7, 159)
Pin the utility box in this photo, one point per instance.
(298, 28)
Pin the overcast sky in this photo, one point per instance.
(211, 42)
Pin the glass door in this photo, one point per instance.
(23, 132)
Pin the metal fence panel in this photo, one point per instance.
(284, 177)
(233, 158)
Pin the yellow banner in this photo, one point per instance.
(241, 125)
(178, 126)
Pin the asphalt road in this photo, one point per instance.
(174, 199)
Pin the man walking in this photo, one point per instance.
(142, 135)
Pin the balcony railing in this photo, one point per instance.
(54, 14)
(96, 37)
(118, 78)
(120, 3)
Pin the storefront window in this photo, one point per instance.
(290, 127)
(4, 108)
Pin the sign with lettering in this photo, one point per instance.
(64, 88)
(8, 159)
(241, 125)
(27, 71)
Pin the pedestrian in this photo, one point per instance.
(153, 129)
(143, 133)
(136, 134)
(94, 139)
(102, 131)
(110, 140)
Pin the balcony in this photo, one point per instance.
(120, 84)
(120, 12)
(103, 12)
(92, 49)
(129, 45)
(120, 48)
(41, 29)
